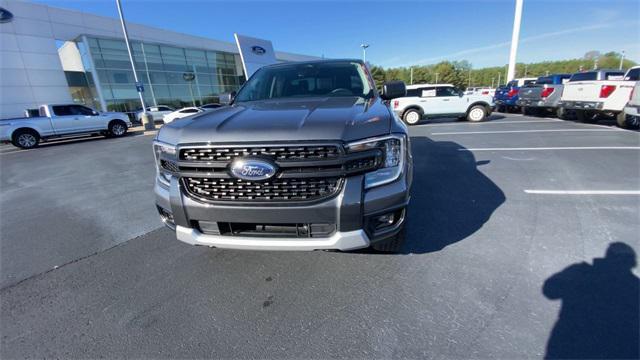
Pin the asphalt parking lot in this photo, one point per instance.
(509, 220)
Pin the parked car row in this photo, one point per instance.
(167, 114)
(586, 96)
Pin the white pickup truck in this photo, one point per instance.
(62, 120)
(591, 99)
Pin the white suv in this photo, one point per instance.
(440, 100)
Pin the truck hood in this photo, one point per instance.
(318, 118)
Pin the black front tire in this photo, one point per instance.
(391, 245)
(561, 113)
(117, 128)
(627, 121)
(25, 138)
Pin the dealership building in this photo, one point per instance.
(52, 55)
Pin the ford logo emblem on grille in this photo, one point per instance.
(252, 169)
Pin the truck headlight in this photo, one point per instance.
(393, 149)
(164, 154)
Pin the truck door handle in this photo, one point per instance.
(445, 99)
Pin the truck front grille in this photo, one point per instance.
(279, 153)
(232, 189)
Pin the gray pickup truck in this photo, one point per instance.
(543, 96)
(307, 156)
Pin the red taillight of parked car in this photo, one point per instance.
(546, 92)
(512, 93)
(396, 103)
(485, 93)
(606, 90)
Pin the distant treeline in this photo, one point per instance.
(459, 72)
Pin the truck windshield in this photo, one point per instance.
(307, 80)
(589, 75)
(545, 80)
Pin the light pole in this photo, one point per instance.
(499, 75)
(469, 78)
(436, 78)
(621, 60)
(515, 37)
(411, 75)
(364, 52)
(147, 120)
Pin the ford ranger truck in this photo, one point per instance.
(543, 96)
(307, 156)
(603, 97)
(506, 96)
(59, 121)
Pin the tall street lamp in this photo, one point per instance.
(147, 120)
(515, 37)
(364, 52)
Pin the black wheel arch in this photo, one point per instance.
(481, 103)
(111, 122)
(24, 128)
(418, 108)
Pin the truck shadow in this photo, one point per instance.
(451, 199)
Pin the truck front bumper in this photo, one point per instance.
(352, 212)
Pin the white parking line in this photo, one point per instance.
(556, 148)
(519, 131)
(584, 192)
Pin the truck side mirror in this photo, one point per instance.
(393, 89)
(226, 99)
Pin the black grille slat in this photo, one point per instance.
(280, 153)
(232, 189)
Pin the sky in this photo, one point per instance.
(400, 33)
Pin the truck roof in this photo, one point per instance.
(416, 86)
(321, 61)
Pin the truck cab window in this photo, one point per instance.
(446, 91)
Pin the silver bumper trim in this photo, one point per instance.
(350, 240)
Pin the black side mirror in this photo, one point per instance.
(393, 89)
(95, 113)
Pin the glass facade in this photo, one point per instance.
(171, 75)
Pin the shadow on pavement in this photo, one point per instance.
(599, 316)
(445, 120)
(451, 199)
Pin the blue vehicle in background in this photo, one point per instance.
(544, 96)
(506, 96)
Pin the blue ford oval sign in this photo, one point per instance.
(258, 50)
(5, 15)
(252, 169)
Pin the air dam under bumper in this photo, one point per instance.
(349, 210)
(349, 240)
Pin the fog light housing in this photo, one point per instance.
(385, 220)
(167, 218)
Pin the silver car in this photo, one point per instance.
(158, 112)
